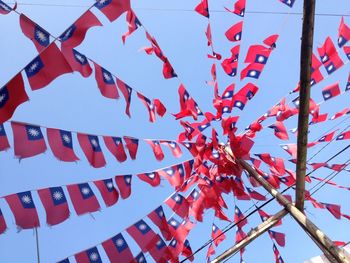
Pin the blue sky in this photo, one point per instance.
(74, 103)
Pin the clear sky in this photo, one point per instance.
(74, 103)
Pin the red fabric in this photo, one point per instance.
(91, 147)
(329, 56)
(158, 218)
(105, 82)
(117, 249)
(83, 198)
(257, 54)
(343, 33)
(116, 147)
(160, 252)
(152, 178)
(126, 91)
(132, 145)
(58, 141)
(4, 143)
(3, 225)
(234, 33)
(173, 146)
(280, 130)
(133, 24)
(178, 204)
(108, 192)
(143, 235)
(156, 148)
(280, 238)
(188, 107)
(202, 8)
(160, 108)
(239, 218)
(112, 9)
(77, 61)
(149, 105)
(12, 95)
(217, 235)
(88, 256)
(271, 41)
(124, 185)
(253, 70)
(331, 91)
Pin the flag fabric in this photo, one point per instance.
(108, 192)
(124, 185)
(88, 256)
(239, 218)
(289, 3)
(4, 143)
(234, 33)
(3, 225)
(61, 144)
(333, 209)
(133, 24)
(255, 195)
(278, 237)
(157, 216)
(23, 209)
(174, 174)
(173, 146)
(5, 9)
(112, 9)
(280, 130)
(331, 91)
(253, 70)
(132, 145)
(83, 198)
(28, 140)
(126, 91)
(39, 36)
(160, 108)
(328, 137)
(91, 147)
(347, 87)
(105, 82)
(116, 147)
(347, 51)
(278, 258)
(156, 148)
(270, 41)
(152, 178)
(202, 8)
(12, 95)
(139, 258)
(75, 34)
(143, 235)
(188, 106)
(46, 67)
(55, 204)
(257, 54)
(230, 64)
(329, 56)
(343, 33)
(217, 235)
(178, 204)
(340, 113)
(149, 105)
(117, 249)
(343, 136)
(291, 149)
(77, 61)
(239, 8)
(187, 251)
(160, 252)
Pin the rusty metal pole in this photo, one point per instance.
(304, 98)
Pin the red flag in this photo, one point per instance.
(156, 148)
(133, 24)
(239, 8)
(55, 204)
(340, 113)
(160, 252)
(234, 33)
(5, 9)
(143, 235)
(158, 218)
(278, 258)
(187, 251)
(91, 147)
(88, 256)
(257, 54)
(61, 144)
(116, 147)
(105, 82)
(23, 209)
(160, 108)
(124, 185)
(132, 145)
(255, 195)
(12, 95)
(188, 106)
(46, 67)
(3, 225)
(217, 235)
(4, 143)
(329, 56)
(271, 41)
(347, 51)
(344, 33)
(126, 91)
(279, 130)
(39, 36)
(202, 8)
(108, 192)
(28, 140)
(278, 237)
(117, 249)
(151, 178)
(83, 198)
(343, 136)
(77, 61)
(179, 230)
(173, 146)
(210, 252)
(253, 70)
(112, 9)
(149, 105)
(239, 218)
(240, 235)
(291, 149)
(178, 204)
(333, 209)
(331, 91)
(174, 174)
(328, 137)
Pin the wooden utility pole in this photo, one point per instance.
(252, 235)
(304, 98)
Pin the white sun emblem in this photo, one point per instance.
(142, 227)
(285, 147)
(4, 7)
(159, 242)
(173, 223)
(80, 58)
(213, 228)
(85, 191)
(181, 171)
(187, 145)
(327, 95)
(177, 198)
(94, 256)
(94, 143)
(227, 94)
(119, 242)
(41, 35)
(173, 242)
(330, 67)
(107, 76)
(57, 195)
(238, 37)
(128, 180)
(151, 175)
(261, 59)
(26, 199)
(141, 259)
(325, 58)
(66, 138)
(226, 109)
(34, 66)
(252, 73)
(2, 97)
(238, 103)
(340, 137)
(33, 132)
(340, 39)
(170, 171)
(161, 214)
(67, 33)
(195, 194)
(172, 145)
(102, 1)
(109, 185)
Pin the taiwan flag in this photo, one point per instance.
(92, 150)
(23, 209)
(331, 91)
(5, 9)
(124, 185)
(149, 105)
(271, 41)
(55, 204)
(139, 258)
(12, 95)
(61, 143)
(152, 178)
(77, 61)
(289, 3)
(347, 51)
(230, 66)
(178, 204)
(187, 251)
(173, 146)
(257, 54)
(280, 130)
(343, 136)
(160, 252)
(112, 9)
(239, 8)
(253, 70)
(202, 8)
(329, 56)
(133, 24)
(239, 218)
(255, 195)
(83, 198)
(173, 175)
(333, 209)
(126, 91)
(4, 143)
(158, 218)
(46, 67)
(234, 33)
(143, 235)
(280, 238)
(116, 147)
(39, 37)
(3, 225)
(132, 145)
(156, 148)
(108, 192)
(344, 33)
(75, 34)
(28, 140)
(217, 235)
(117, 249)
(105, 82)
(88, 256)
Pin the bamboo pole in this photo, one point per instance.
(323, 241)
(304, 98)
(252, 235)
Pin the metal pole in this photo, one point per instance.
(37, 244)
(252, 235)
(304, 98)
